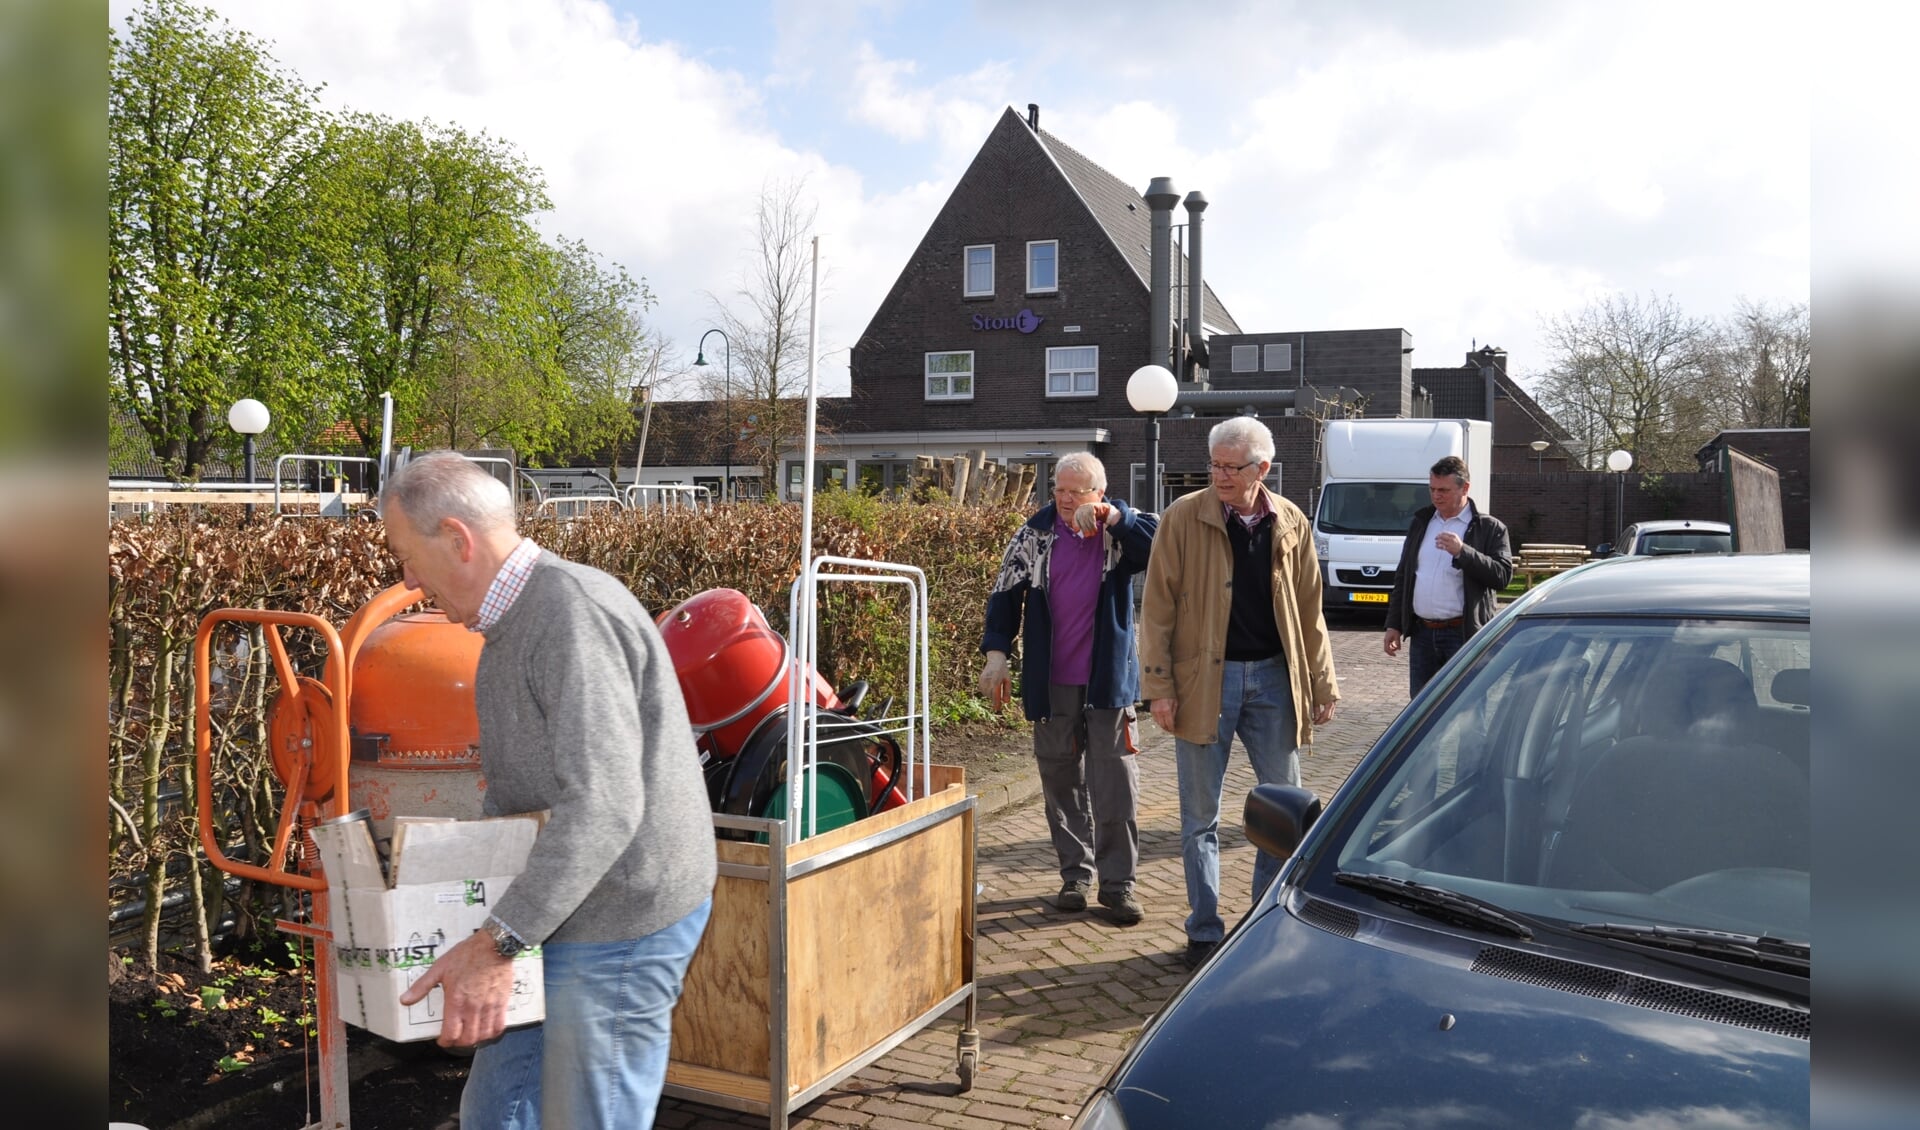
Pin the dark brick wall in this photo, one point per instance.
(1012, 193)
(1372, 362)
(1584, 507)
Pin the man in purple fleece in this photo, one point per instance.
(581, 715)
(1067, 573)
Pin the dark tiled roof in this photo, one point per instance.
(1124, 215)
(692, 433)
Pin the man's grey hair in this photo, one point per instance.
(1243, 432)
(445, 484)
(1087, 464)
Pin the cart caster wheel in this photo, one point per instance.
(967, 1062)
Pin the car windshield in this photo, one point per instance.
(1370, 508)
(1625, 771)
(1686, 541)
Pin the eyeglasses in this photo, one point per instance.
(1231, 469)
(1075, 493)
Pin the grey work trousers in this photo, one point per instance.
(1090, 779)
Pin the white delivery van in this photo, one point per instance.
(1373, 476)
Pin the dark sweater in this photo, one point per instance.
(580, 712)
(1252, 632)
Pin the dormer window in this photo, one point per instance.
(978, 282)
(1043, 266)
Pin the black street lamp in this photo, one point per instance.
(249, 417)
(1152, 389)
(700, 362)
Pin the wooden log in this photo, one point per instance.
(962, 471)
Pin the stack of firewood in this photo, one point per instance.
(974, 480)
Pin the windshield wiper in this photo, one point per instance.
(1761, 950)
(1436, 902)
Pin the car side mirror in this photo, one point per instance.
(1278, 816)
(1604, 549)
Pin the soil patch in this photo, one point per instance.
(233, 1046)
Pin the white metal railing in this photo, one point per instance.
(571, 506)
(804, 727)
(665, 496)
(332, 504)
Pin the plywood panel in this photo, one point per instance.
(945, 779)
(876, 941)
(721, 1021)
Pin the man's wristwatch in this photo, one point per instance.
(505, 942)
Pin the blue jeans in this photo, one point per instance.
(600, 1058)
(1428, 650)
(1256, 702)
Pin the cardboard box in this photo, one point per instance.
(391, 922)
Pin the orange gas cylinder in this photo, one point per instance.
(732, 666)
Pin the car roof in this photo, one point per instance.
(1773, 586)
(1666, 525)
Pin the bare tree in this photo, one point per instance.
(1763, 365)
(1634, 374)
(767, 328)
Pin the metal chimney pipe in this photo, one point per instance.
(1196, 284)
(1161, 197)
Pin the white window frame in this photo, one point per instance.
(966, 270)
(1074, 393)
(927, 375)
(1055, 244)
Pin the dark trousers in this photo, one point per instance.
(1428, 651)
(1090, 779)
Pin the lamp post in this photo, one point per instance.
(1618, 461)
(700, 362)
(249, 417)
(1152, 390)
(1539, 446)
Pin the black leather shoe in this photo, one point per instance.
(1073, 896)
(1198, 952)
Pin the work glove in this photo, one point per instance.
(996, 680)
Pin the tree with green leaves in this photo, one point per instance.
(603, 346)
(430, 281)
(208, 146)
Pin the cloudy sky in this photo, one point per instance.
(1464, 170)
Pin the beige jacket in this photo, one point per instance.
(1184, 613)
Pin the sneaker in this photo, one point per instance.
(1126, 908)
(1073, 896)
(1198, 952)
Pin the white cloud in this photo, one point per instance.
(1459, 172)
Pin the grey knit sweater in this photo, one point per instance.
(580, 713)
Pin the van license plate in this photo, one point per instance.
(1367, 597)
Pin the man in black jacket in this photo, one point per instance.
(1453, 566)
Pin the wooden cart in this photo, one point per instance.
(825, 954)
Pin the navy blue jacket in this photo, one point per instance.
(1114, 679)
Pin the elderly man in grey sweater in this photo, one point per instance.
(580, 714)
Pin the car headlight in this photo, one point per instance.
(1322, 545)
(1100, 1113)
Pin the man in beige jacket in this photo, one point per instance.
(1231, 639)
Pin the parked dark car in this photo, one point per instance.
(1669, 536)
(1568, 887)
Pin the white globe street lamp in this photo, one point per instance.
(249, 417)
(1152, 390)
(1618, 461)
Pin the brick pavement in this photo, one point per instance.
(1061, 996)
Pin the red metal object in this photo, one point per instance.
(733, 667)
